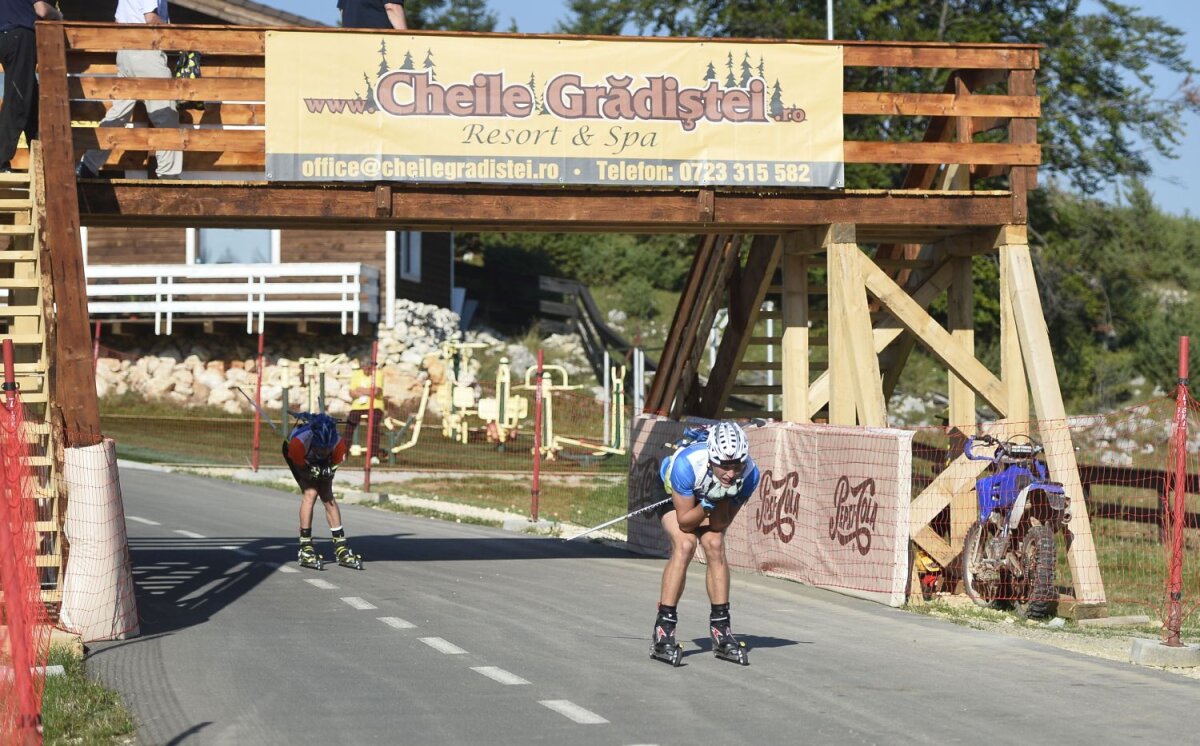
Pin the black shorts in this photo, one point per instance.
(323, 486)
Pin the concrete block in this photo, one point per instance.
(1154, 653)
(1116, 621)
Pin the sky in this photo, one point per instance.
(1175, 183)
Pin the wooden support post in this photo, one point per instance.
(712, 294)
(1012, 367)
(75, 385)
(857, 386)
(961, 318)
(1052, 419)
(795, 332)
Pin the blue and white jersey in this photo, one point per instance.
(686, 473)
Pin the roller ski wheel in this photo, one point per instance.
(347, 558)
(309, 558)
(729, 648)
(669, 654)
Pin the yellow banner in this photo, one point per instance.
(433, 108)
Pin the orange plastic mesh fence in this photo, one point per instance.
(24, 634)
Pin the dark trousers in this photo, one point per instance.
(359, 416)
(18, 54)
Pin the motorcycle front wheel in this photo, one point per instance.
(1039, 593)
(981, 583)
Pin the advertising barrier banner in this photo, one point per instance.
(494, 109)
(832, 509)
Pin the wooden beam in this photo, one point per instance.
(946, 57)
(1012, 367)
(796, 336)
(936, 339)
(745, 302)
(713, 292)
(860, 151)
(479, 207)
(857, 393)
(75, 383)
(1052, 420)
(939, 105)
(159, 138)
(228, 40)
(665, 381)
(173, 89)
(213, 113)
(961, 322)
(887, 330)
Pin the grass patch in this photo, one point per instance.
(76, 709)
(595, 501)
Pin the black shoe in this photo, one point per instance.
(84, 171)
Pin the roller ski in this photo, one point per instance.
(664, 647)
(309, 557)
(726, 646)
(345, 556)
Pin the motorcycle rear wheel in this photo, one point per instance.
(1040, 593)
(983, 591)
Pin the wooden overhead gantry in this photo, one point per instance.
(864, 264)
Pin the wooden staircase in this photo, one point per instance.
(26, 311)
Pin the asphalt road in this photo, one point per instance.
(460, 634)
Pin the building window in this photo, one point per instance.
(234, 246)
(410, 256)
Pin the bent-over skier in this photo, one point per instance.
(313, 451)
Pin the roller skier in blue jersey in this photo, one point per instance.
(708, 481)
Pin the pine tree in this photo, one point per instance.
(408, 62)
(383, 63)
(429, 65)
(710, 73)
(730, 81)
(776, 99)
(747, 71)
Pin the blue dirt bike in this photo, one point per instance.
(1008, 558)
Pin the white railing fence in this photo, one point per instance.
(350, 290)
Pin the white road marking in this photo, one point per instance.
(358, 603)
(190, 534)
(288, 568)
(237, 568)
(499, 674)
(146, 521)
(442, 646)
(572, 711)
(322, 584)
(240, 550)
(396, 622)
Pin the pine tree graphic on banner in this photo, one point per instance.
(776, 99)
(762, 69)
(408, 61)
(747, 71)
(730, 81)
(371, 105)
(429, 65)
(383, 63)
(710, 73)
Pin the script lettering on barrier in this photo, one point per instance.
(778, 505)
(855, 512)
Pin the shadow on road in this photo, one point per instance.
(180, 582)
(752, 642)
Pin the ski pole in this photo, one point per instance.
(260, 411)
(606, 524)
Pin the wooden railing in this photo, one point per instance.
(229, 134)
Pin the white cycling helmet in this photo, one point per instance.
(727, 442)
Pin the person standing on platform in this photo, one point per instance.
(18, 54)
(385, 14)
